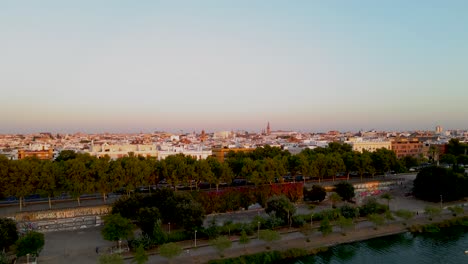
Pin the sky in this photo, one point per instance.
(130, 66)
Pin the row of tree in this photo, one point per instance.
(77, 174)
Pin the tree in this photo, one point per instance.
(116, 228)
(170, 250)
(345, 224)
(432, 182)
(269, 236)
(244, 239)
(387, 197)
(376, 219)
(221, 243)
(345, 190)
(187, 212)
(78, 176)
(334, 198)
(100, 168)
(111, 259)
(282, 208)
(31, 243)
(49, 181)
(140, 256)
(317, 193)
(147, 219)
(325, 227)
(8, 233)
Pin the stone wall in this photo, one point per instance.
(62, 219)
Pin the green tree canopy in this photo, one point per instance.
(31, 243)
(8, 233)
(281, 207)
(117, 227)
(317, 193)
(170, 250)
(345, 190)
(221, 243)
(432, 182)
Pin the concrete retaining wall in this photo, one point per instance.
(61, 219)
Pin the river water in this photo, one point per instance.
(445, 247)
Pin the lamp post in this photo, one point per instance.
(195, 238)
(169, 227)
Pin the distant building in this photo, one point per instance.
(44, 154)
(197, 154)
(370, 146)
(439, 130)
(220, 153)
(222, 135)
(407, 147)
(123, 150)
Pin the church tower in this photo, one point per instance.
(268, 131)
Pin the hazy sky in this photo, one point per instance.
(130, 66)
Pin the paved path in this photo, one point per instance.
(73, 247)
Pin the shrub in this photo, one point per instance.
(349, 211)
(298, 220)
(273, 222)
(294, 253)
(371, 206)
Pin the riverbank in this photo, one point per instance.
(310, 240)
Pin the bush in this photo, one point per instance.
(299, 221)
(178, 235)
(264, 257)
(349, 211)
(294, 253)
(273, 222)
(371, 206)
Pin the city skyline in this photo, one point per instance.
(117, 66)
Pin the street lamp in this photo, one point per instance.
(195, 238)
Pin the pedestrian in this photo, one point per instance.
(97, 250)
